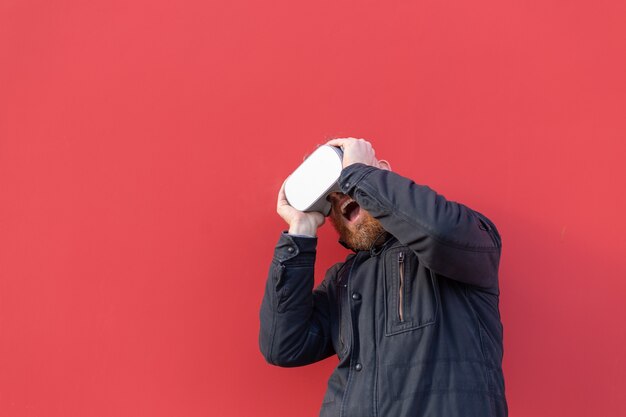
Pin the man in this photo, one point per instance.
(412, 314)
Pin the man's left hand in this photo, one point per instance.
(355, 151)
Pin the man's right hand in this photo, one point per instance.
(300, 223)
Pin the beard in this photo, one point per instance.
(361, 233)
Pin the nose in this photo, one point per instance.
(334, 196)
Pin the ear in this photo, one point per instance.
(384, 164)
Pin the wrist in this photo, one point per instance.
(302, 228)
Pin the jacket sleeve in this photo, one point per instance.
(447, 237)
(295, 318)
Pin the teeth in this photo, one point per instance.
(345, 204)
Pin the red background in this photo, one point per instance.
(142, 144)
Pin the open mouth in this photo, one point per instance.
(350, 210)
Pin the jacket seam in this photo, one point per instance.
(376, 358)
(480, 336)
(454, 390)
(274, 313)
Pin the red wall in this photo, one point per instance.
(142, 144)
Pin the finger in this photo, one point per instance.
(339, 141)
(282, 197)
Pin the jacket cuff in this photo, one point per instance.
(292, 249)
(352, 175)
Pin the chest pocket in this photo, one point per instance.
(411, 296)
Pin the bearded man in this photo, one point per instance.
(412, 314)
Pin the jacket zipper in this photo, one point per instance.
(340, 293)
(401, 286)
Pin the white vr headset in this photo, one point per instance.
(308, 186)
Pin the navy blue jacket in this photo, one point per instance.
(415, 321)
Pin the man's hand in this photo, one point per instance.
(356, 150)
(300, 223)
